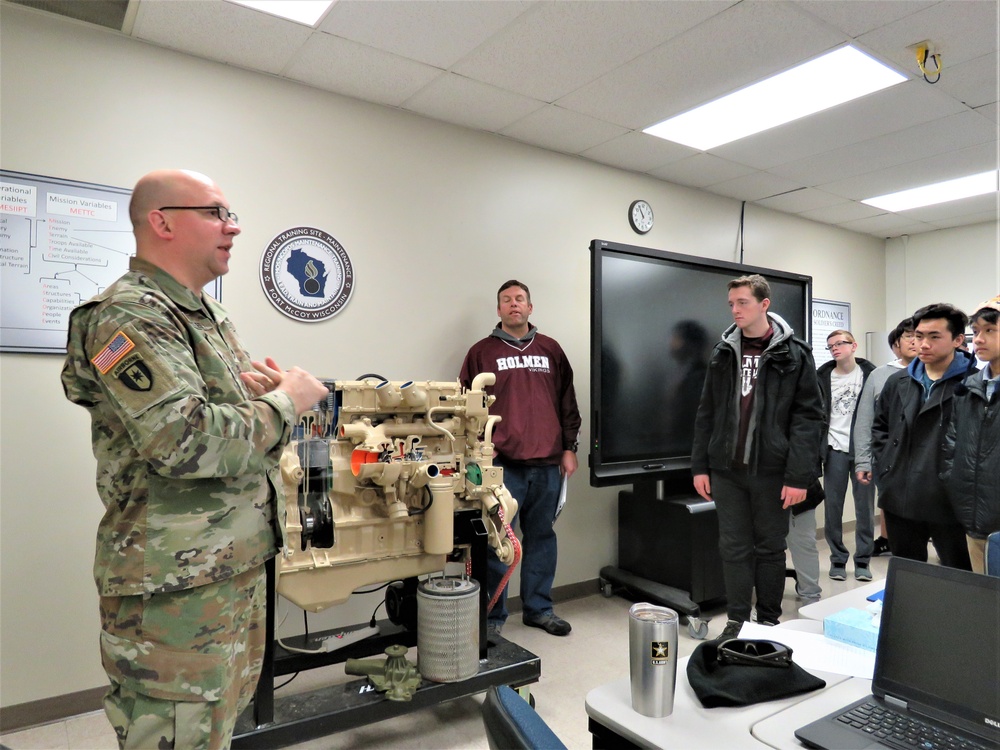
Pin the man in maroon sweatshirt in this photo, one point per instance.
(535, 442)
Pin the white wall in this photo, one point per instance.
(960, 266)
(434, 217)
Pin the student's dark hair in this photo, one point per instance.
(904, 326)
(957, 320)
(509, 284)
(984, 315)
(759, 287)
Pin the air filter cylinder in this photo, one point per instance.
(448, 629)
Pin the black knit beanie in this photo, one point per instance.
(718, 684)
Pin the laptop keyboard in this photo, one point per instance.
(897, 729)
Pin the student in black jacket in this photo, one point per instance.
(911, 416)
(756, 447)
(972, 443)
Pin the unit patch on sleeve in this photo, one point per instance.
(110, 355)
(132, 371)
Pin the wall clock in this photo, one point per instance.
(640, 216)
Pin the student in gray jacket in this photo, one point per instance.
(903, 342)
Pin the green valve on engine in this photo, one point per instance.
(474, 474)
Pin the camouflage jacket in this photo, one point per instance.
(186, 457)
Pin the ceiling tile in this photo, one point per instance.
(976, 205)
(221, 31)
(753, 187)
(912, 144)
(353, 69)
(559, 46)
(701, 170)
(888, 225)
(459, 100)
(729, 51)
(973, 82)
(857, 17)
(436, 32)
(637, 151)
(961, 29)
(561, 130)
(842, 212)
(991, 111)
(883, 112)
(961, 221)
(933, 169)
(803, 199)
(614, 67)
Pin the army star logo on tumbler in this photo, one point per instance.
(660, 652)
(306, 274)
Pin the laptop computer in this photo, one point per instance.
(937, 662)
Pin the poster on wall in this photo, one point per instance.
(827, 316)
(61, 242)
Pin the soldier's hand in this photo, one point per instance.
(304, 389)
(258, 383)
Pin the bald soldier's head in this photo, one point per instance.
(178, 226)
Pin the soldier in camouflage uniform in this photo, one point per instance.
(187, 432)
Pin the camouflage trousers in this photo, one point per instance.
(183, 665)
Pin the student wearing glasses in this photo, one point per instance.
(911, 416)
(842, 380)
(187, 433)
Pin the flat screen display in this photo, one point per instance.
(655, 317)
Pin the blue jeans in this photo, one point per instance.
(536, 489)
(752, 531)
(837, 469)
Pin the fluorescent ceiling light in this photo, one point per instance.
(939, 192)
(834, 78)
(302, 11)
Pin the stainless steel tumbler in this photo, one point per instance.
(652, 640)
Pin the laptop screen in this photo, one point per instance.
(939, 643)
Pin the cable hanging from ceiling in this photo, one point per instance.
(924, 57)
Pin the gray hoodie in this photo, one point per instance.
(864, 413)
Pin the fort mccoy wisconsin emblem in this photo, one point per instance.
(306, 274)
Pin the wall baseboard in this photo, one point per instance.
(46, 710)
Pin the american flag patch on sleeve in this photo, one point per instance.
(117, 348)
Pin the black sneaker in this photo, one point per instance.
(838, 573)
(549, 622)
(881, 547)
(493, 632)
(732, 630)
